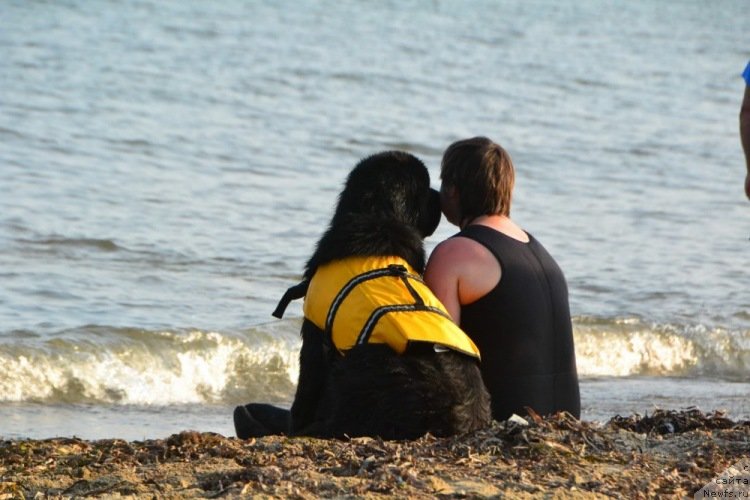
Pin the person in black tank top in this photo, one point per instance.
(523, 330)
(509, 295)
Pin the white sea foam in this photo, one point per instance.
(158, 368)
(628, 346)
(629, 351)
(137, 367)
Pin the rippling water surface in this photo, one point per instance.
(166, 168)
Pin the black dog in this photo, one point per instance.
(380, 356)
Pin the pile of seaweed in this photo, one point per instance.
(668, 452)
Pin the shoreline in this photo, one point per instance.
(669, 452)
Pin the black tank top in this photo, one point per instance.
(523, 330)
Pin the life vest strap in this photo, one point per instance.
(417, 298)
(364, 335)
(293, 293)
(391, 270)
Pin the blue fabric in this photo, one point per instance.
(746, 74)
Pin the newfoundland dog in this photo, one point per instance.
(380, 355)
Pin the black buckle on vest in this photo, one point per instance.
(293, 293)
(397, 270)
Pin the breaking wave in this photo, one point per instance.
(629, 346)
(141, 367)
(109, 365)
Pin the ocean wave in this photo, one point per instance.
(104, 245)
(97, 364)
(108, 365)
(630, 346)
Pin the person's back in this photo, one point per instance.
(522, 328)
(502, 287)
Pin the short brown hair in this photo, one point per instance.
(482, 172)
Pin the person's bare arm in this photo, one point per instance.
(459, 272)
(745, 135)
(442, 278)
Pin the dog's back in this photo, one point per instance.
(405, 396)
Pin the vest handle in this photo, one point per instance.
(293, 293)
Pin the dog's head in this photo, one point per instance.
(392, 186)
(386, 208)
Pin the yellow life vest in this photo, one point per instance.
(379, 300)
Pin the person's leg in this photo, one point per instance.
(257, 420)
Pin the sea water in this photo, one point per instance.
(167, 167)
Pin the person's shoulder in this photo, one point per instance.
(457, 244)
(458, 250)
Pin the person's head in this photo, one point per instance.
(477, 179)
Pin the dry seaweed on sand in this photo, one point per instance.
(637, 457)
(670, 421)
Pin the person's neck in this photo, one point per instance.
(491, 220)
(501, 223)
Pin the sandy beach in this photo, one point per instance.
(666, 453)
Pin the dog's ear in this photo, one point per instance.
(386, 208)
(393, 185)
(430, 214)
(389, 185)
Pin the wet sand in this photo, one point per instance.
(666, 453)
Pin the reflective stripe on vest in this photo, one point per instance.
(379, 300)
